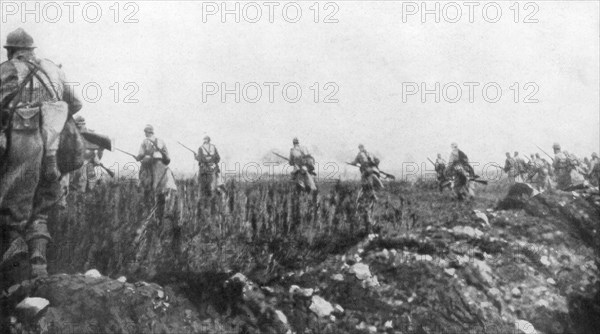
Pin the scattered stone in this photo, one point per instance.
(450, 271)
(320, 306)
(298, 291)
(361, 271)
(467, 231)
(388, 325)
(545, 261)
(551, 281)
(523, 326)
(160, 294)
(542, 303)
(516, 292)
(29, 307)
(93, 273)
(337, 277)
(338, 309)
(482, 216)
(122, 279)
(282, 318)
(370, 282)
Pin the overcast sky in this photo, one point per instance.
(367, 55)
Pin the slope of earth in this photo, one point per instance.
(433, 265)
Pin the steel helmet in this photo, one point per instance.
(19, 39)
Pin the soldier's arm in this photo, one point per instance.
(217, 157)
(70, 96)
(141, 153)
(9, 83)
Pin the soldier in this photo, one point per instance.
(156, 178)
(34, 105)
(540, 173)
(510, 168)
(564, 166)
(371, 182)
(303, 164)
(459, 158)
(85, 177)
(440, 167)
(209, 173)
(520, 168)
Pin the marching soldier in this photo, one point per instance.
(209, 173)
(156, 178)
(563, 165)
(303, 164)
(459, 158)
(34, 105)
(85, 177)
(440, 168)
(540, 173)
(371, 182)
(520, 168)
(510, 168)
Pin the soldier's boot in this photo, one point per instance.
(37, 259)
(51, 172)
(37, 237)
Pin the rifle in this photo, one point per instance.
(281, 156)
(433, 163)
(388, 176)
(129, 154)
(189, 149)
(551, 158)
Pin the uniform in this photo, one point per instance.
(510, 169)
(27, 190)
(86, 177)
(209, 173)
(303, 167)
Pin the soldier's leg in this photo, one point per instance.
(19, 177)
(37, 235)
(53, 122)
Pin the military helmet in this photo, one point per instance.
(454, 145)
(207, 138)
(19, 39)
(594, 155)
(149, 128)
(295, 140)
(556, 146)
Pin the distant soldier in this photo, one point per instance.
(459, 158)
(156, 178)
(564, 168)
(34, 105)
(209, 173)
(440, 167)
(304, 167)
(85, 177)
(510, 168)
(540, 173)
(371, 182)
(520, 167)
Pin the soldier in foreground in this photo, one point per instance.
(86, 178)
(34, 106)
(303, 167)
(156, 178)
(565, 168)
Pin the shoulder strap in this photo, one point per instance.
(17, 96)
(40, 69)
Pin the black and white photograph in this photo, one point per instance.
(300, 167)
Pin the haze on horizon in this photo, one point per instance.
(368, 55)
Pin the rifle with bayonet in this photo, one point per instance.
(189, 149)
(549, 156)
(388, 176)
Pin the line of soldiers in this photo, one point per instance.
(41, 153)
(566, 170)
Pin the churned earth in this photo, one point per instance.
(524, 263)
